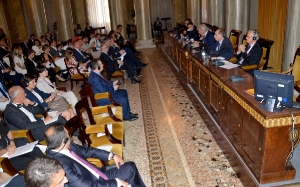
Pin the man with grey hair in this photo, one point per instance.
(20, 114)
(207, 36)
(45, 172)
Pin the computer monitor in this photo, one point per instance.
(275, 89)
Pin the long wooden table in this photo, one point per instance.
(261, 139)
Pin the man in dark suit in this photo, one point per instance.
(100, 85)
(24, 46)
(223, 46)
(20, 114)
(207, 36)
(31, 41)
(7, 75)
(53, 50)
(124, 44)
(252, 52)
(157, 26)
(192, 32)
(78, 54)
(88, 28)
(111, 64)
(81, 173)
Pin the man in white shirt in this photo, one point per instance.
(81, 173)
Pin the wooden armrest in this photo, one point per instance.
(19, 133)
(104, 109)
(104, 96)
(8, 168)
(272, 70)
(93, 129)
(249, 67)
(64, 89)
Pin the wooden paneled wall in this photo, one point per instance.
(271, 25)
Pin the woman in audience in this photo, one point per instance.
(45, 85)
(19, 60)
(29, 62)
(72, 64)
(8, 145)
(46, 100)
(37, 48)
(48, 61)
(78, 30)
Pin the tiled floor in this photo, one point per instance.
(170, 142)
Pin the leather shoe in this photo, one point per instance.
(144, 65)
(135, 81)
(132, 114)
(132, 118)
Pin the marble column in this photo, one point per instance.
(292, 30)
(193, 11)
(143, 24)
(205, 11)
(118, 15)
(64, 19)
(179, 11)
(37, 17)
(217, 12)
(237, 15)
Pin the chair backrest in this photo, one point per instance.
(73, 125)
(87, 91)
(296, 65)
(266, 47)
(234, 37)
(83, 106)
(104, 68)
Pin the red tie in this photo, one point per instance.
(90, 166)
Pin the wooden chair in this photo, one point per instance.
(75, 77)
(234, 37)
(266, 47)
(116, 74)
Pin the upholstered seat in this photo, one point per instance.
(76, 77)
(234, 37)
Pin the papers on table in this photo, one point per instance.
(21, 150)
(217, 58)
(229, 65)
(105, 148)
(4, 183)
(106, 114)
(109, 126)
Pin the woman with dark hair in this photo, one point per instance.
(72, 64)
(45, 100)
(29, 62)
(45, 85)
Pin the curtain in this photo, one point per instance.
(161, 9)
(98, 13)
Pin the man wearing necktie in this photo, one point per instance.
(223, 46)
(81, 173)
(100, 85)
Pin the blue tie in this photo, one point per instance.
(2, 90)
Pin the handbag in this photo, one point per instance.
(59, 104)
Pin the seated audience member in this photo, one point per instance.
(31, 41)
(19, 61)
(207, 36)
(5, 51)
(44, 41)
(186, 21)
(79, 171)
(252, 52)
(157, 26)
(78, 54)
(20, 114)
(54, 52)
(111, 64)
(45, 172)
(54, 60)
(124, 43)
(24, 46)
(88, 28)
(38, 49)
(223, 46)
(8, 145)
(73, 64)
(46, 100)
(29, 62)
(67, 44)
(45, 85)
(13, 181)
(4, 97)
(100, 85)
(78, 30)
(86, 47)
(94, 41)
(192, 32)
(5, 37)
(48, 37)
(7, 75)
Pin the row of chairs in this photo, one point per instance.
(104, 120)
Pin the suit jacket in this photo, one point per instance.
(3, 52)
(110, 64)
(209, 39)
(54, 52)
(29, 66)
(32, 97)
(24, 48)
(100, 85)
(79, 57)
(30, 43)
(4, 89)
(253, 57)
(3, 64)
(193, 34)
(16, 119)
(77, 174)
(226, 49)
